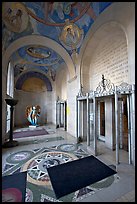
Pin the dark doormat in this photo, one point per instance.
(29, 133)
(69, 177)
(14, 187)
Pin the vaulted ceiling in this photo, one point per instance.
(66, 23)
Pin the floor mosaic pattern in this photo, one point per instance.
(36, 162)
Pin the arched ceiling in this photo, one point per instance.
(36, 57)
(29, 75)
(67, 23)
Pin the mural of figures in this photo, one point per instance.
(59, 8)
(15, 16)
(7, 36)
(32, 113)
(38, 52)
(49, 19)
(71, 36)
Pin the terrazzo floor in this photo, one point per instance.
(58, 143)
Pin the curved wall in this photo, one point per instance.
(110, 57)
(118, 18)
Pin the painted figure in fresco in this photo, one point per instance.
(71, 37)
(14, 20)
(15, 17)
(38, 52)
(32, 114)
(52, 73)
(61, 8)
(69, 9)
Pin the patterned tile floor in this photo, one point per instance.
(59, 146)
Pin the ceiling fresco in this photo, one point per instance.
(32, 74)
(36, 57)
(67, 23)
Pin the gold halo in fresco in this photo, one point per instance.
(37, 166)
(71, 35)
(14, 16)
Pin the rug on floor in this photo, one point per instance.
(29, 133)
(74, 175)
(14, 187)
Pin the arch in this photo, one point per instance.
(43, 41)
(29, 74)
(109, 18)
(106, 32)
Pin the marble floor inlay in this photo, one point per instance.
(35, 155)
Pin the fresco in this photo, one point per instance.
(67, 23)
(20, 81)
(40, 55)
(50, 18)
(34, 84)
(36, 57)
(15, 17)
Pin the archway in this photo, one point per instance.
(43, 41)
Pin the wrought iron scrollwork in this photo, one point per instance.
(124, 87)
(105, 86)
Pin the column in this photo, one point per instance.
(56, 115)
(65, 116)
(129, 129)
(116, 126)
(133, 124)
(77, 123)
(88, 125)
(120, 102)
(95, 124)
(78, 119)
(82, 118)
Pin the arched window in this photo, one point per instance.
(10, 89)
(10, 80)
